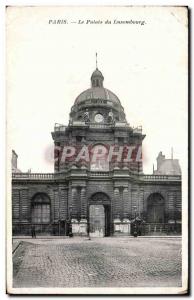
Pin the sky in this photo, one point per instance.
(49, 65)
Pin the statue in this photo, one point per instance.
(86, 116)
(110, 116)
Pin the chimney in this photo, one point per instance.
(14, 160)
(160, 159)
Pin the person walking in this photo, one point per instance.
(135, 231)
(33, 231)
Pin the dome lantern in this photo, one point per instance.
(97, 79)
(97, 102)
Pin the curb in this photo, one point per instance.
(14, 250)
(112, 237)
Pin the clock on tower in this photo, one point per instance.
(99, 118)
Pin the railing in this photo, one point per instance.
(40, 229)
(62, 228)
(137, 129)
(101, 125)
(59, 127)
(160, 177)
(99, 174)
(33, 175)
(158, 229)
(93, 174)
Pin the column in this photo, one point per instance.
(171, 205)
(125, 203)
(15, 204)
(25, 207)
(63, 202)
(83, 203)
(56, 216)
(63, 206)
(83, 221)
(126, 223)
(130, 202)
(116, 211)
(74, 221)
(73, 202)
(116, 203)
(141, 203)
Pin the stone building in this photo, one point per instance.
(14, 162)
(98, 186)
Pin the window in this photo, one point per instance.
(79, 138)
(121, 140)
(41, 209)
(99, 160)
(41, 213)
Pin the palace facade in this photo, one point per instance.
(98, 186)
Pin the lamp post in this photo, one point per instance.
(135, 225)
(88, 222)
(70, 225)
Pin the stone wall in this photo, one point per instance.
(128, 199)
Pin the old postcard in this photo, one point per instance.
(97, 143)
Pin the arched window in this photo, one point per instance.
(155, 208)
(41, 209)
(99, 158)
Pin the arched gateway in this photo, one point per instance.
(99, 214)
(155, 208)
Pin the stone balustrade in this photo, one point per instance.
(59, 127)
(137, 129)
(93, 174)
(101, 125)
(33, 176)
(160, 177)
(99, 174)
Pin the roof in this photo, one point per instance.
(169, 167)
(16, 170)
(97, 93)
(97, 73)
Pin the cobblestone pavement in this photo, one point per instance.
(102, 262)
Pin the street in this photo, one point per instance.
(101, 262)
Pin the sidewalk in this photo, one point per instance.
(15, 245)
(51, 237)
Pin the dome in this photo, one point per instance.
(97, 93)
(97, 100)
(97, 73)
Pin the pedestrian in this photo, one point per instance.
(135, 231)
(33, 231)
(139, 231)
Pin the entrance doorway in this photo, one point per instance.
(99, 215)
(99, 220)
(155, 208)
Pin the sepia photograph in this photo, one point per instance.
(97, 150)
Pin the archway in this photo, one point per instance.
(99, 161)
(155, 208)
(99, 215)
